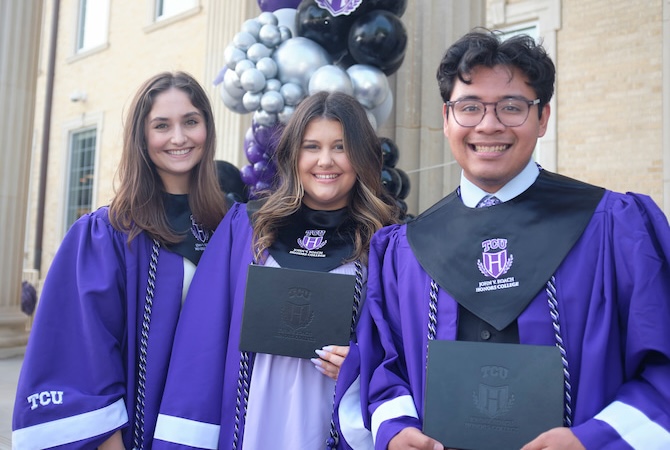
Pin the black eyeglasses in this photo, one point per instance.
(511, 112)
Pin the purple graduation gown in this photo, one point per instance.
(77, 382)
(613, 291)
(199, 403)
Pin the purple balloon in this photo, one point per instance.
(273, 5)
(266, 136)
(262, 186)
(264, 170)
(248, 175)
(255, 153)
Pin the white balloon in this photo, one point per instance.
(272, 102)
(252, 80)
(330, 78)
(286, 18)
(285, 33)
(370, 84)
(298, 58)
(267, 66)
(243, 40)
(258, 51)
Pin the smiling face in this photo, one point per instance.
(323, 166)
(175, 134)
(490, 153)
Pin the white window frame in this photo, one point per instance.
(91, 15)
(86, 122)
(157, 20)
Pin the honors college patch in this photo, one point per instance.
(495, 263)
(339, 7)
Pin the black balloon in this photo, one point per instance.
(313, 22)
(391, 180)
(390, 152)
(404, 184)
(396, 7)
(378, 38)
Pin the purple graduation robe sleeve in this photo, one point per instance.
(613, 292)
(77, 382)
(206, 343)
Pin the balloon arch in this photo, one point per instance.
(296, 48)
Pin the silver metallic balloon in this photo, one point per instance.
(267, 66)
(232, 103)
(285, 114)
(252, 26)
(298, 58)
(243, 65)
(272, 84)
(267, 17)
(383, 111)
(252, 100)
(232, 55)
(285, 33)
(269, 35)
(262, 117)
(243, 40)
(272, 102)
(330, 78)
(258, 51)
(232, 85)
(370, 84)
(292, 93)
(372, 119)
(252, 80)
(286, 18)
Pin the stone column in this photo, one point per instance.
(416, 123)
(20, 28)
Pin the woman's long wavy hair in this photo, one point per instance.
(138, 203)
(370, 206)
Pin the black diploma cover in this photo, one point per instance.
(292, 312)
(491, 396)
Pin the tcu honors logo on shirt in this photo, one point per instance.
(45, 398)
(495, 262)
(310, 244)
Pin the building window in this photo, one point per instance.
(82, 172)
(92, 23)
(170, 8)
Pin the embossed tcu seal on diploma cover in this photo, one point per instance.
(293, 312)
(482, 396)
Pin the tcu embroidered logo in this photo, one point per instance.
(495, 261)
(313, 240)
(45, 398)
(339, 7)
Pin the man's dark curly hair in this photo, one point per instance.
(485, 48)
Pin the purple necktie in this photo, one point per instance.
(487, 201)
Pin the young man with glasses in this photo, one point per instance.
(551, 261)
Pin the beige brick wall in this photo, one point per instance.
(609, 94)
